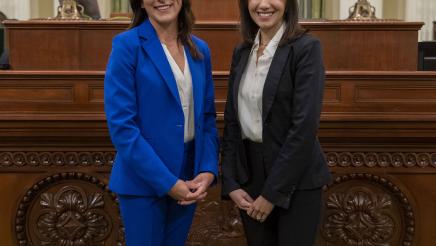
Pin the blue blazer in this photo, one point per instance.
(145, 116)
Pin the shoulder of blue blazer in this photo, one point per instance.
(127, 42)
(131, 37)
(201, 44)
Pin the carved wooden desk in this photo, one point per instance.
(378, 130)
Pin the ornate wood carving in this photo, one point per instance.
(367, 210)
(381, 159)
(72, 217)
(68, 209)
(334, 159)
(216, 222)
(46, 159)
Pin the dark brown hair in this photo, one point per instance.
(186, 21)
(249, 28)
(2, 17)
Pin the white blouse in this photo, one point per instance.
(251, 87)
(184, 86)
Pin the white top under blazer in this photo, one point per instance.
(251, 87)
(184, 86)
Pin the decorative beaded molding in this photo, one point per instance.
(334, 159)
(360, 216)
(381, 159)
(70, 158)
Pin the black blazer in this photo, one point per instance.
(292, 100)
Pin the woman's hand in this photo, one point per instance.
(199, 186)
(260, 209)
(180, 191)
(241, 198)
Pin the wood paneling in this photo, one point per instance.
(382, 96)
(96, 93)
(23, 92)
(51, 95)
(380, 152)
(221, 10)
(332, 93)
(357, 46)
(396, 94)
(349, 96)
(360, 95)
(221, 51)
(64, 45)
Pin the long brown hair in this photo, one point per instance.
(249, 28)
(186, 21)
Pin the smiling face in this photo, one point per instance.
(163, 12)
(267, 14)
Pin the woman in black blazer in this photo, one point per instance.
(273, 166)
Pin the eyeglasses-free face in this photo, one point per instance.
(267, 14)
(162, 12)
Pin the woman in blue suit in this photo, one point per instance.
(159, 103)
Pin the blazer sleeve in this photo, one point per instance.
(231, 136)
(209, 162)
(121, 112)
(301, 138)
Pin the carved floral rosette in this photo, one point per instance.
(366, 210)
(68, 209)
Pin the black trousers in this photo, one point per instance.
(295, 226)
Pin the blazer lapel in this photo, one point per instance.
(154, 49)
(273, 78)
(198, 78)
(239, 70)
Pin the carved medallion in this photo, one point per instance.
(359, 218)
(366, 210)
(71, 216)
(68, 209)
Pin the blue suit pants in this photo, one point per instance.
(158, 221)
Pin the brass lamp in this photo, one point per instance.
(362, 10)
(71, 10)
